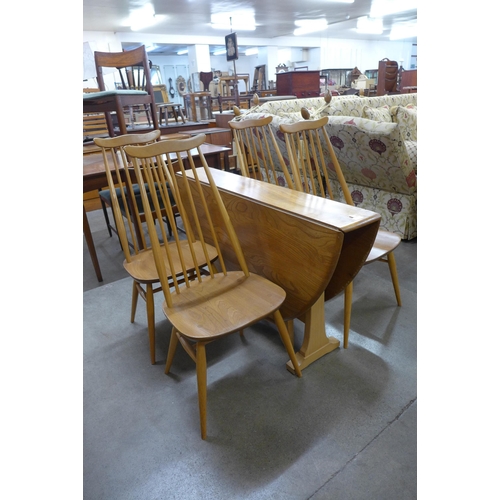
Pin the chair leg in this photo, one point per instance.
(201, 376)
(106, 216)
(285, 338)
(391, 260)
(174, 340)
(347, 312)
(150, 308)
(135, 295)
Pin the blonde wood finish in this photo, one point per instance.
(284, 234)
(205, 305)
(306, 142)
(139, 259)
(254, 141)
(225, 82)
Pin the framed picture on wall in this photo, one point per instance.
(231, 47)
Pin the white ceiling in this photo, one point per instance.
(187, 20)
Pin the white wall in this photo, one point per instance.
(322, 53)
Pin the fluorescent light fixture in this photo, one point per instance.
(219, 52)
(251, 51)
(237, 21)
(381, 8)
(182, 52)
(309, 26)
(342, 1)
(403, 30)
(370, 26)
(143, 18)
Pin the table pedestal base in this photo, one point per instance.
(315, 344)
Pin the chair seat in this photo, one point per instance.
(95, 96)
(105, 194)
(142, 266)
(385, 242)
(207, 309)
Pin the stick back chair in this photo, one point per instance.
(207, 306)
(257, 150)
(313, 165)
(128, 210)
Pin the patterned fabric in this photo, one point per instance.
(406, 118)
(382, 114)
(378, 157)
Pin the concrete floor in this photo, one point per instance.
(346, 430)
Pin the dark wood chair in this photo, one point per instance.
(134, 88)
(206, 77)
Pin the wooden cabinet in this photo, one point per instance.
(408, 81)
(299, 83)
(387, 82)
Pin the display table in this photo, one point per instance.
(228, 81)
(198, 106)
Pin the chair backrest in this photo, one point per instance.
(257, 150)
(120, 182)
(161, 94)
(133, 69)
(172, 163)
(312, 159)
(206, 77)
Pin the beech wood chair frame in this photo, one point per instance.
(308, 163)
(209, 305)
(139, 259)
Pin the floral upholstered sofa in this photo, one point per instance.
(375, 140)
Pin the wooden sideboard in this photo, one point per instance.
(299, 83)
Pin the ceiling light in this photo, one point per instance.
(309, 26)
(182, 52)
(370, 26)
(219, 52)
(143, 18)
(403, 30)
(381, 8)
(251, 51)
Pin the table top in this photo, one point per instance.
(305, 243)
(93, 164)
(327, 212)
(239, 77)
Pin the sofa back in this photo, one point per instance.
(371, 152)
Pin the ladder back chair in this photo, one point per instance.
(313, 167)
(135, 87)
(207, 305)
(127, 210)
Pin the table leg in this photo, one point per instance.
(315, 344)
(90, 245)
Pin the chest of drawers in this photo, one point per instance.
(299, 83)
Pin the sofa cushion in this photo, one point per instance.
(382, 114)
(406, 118)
